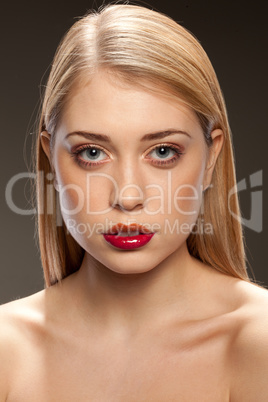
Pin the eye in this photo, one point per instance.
(90, 155)
(164, 154)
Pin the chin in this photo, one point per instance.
(125, 262)
(129, 262)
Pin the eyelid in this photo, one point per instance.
(177, 147)
(165, 162)
(76, 149)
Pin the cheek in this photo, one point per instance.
(181, 189)
(84, 193)
(84, 203)
(187, 200)
(183, 203)
(187, 193)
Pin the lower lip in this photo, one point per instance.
(128, 242)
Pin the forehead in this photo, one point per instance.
(109, 105)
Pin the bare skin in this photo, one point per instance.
(204, 345)
(152, 324)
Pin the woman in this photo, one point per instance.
(147, 295)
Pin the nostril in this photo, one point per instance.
(129, 197)
(129, 204)
(131, 208)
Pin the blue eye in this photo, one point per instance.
(92, 154)
(163, 152)
(164, 155)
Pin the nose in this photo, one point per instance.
(130, 198)
(128, 194)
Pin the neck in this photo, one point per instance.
(130, 300)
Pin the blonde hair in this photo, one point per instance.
(143, 47)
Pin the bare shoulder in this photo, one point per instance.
(249, 352)
(253, 306)
(18, 321)
(26, 311)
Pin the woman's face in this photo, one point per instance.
(124, 155)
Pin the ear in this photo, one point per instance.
(214, 151)
(45, 142)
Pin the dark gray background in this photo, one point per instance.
(234, 34)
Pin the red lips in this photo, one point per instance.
(132, 227)
(135, 236)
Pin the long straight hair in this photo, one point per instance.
(143, 47)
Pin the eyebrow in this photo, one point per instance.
(146, 137)
(163, 134)
(90, 136)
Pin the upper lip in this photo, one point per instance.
(132, 227)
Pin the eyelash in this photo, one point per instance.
(157, 162)
(81, 162)
(177, 150)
